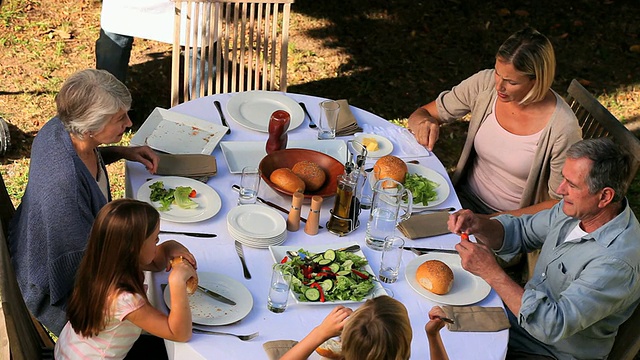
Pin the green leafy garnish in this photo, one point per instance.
(422, 189)
(166, 197)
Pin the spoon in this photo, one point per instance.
(408, 162)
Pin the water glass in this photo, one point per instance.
(391, 256)
(279, 288)
(329, 110)
(249, 185)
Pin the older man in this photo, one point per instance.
(587, 279)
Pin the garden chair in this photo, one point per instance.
(22, 337)
(246, 41)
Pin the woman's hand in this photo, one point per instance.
(424, 126)
(144, 155)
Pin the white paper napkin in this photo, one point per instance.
(404, 144)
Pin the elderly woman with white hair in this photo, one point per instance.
(68, 185)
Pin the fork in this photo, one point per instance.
(241, 337)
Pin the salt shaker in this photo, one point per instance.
(313, 220)
(293, 221)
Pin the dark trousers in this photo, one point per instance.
(148, 347)
(113, 52)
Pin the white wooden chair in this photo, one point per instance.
(246, 40)
(22, 337)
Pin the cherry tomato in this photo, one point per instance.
(464, 236)
(193, 193)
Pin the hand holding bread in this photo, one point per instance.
(192, 282)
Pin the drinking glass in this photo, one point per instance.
(249, 185)
(329, 110)
(279, 288)
(391, 256)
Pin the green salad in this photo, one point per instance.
(330, 276)
(180, 196)
(422, 189)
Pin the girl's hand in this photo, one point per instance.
(181, 272)
(172, 249)
(334, 322)
(435, 323)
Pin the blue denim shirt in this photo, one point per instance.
(581, 290)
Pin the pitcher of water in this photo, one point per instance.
(389, 197)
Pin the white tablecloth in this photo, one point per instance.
(218, 255)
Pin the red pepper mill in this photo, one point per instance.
(278, 126)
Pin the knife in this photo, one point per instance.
(224, 121)
(304, 108)
(216, 296)
(240, 253)
(426, 250)
(236, 187)
(203, 235)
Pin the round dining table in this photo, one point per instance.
(218, 254)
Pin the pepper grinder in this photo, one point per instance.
(293, 221)
(313, 220)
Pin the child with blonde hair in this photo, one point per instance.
(109, 308)
(378, 330)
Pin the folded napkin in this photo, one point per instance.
(277, 348)
(404, 144)
(347, 124)
(476, 318)
(188, 165)
(425, 225)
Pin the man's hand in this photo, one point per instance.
(477, 259)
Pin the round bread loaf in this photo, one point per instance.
(192, 283)
(435, 276)
(287, 180)
(330, 349)
(311, 173)
(390, 166)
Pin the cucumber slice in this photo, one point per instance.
(312, 294)
(329, 255)
(327, 285)
(324, 262)
(334, 267)
(343, 272)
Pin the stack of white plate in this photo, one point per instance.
(257, 226)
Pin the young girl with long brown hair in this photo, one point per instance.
(109, 308)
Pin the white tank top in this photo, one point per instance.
(502, 165)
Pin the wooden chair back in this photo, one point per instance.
(246, 40)
(22, 337)
(596, 121)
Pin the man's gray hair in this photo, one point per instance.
(88, 99)
(611, 165)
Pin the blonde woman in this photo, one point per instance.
(519, 129)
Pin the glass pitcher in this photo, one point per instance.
(389, 196)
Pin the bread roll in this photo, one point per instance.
(390, 166)
(192, 283)
(330, 349)
(311, 173)
(435, 276)
(287, 180)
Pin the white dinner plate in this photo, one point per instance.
(256, 221)
(385, 147)
(279, 252)
(253, 109)
(209, 202)
(442, 190)
(239, 154)
(206, 310)
(467, 288)
(176, 133)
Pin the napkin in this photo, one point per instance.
(476, 318)
(188, 165)
(347, 124)
(425, 225)
(404, 144)
(277, 348)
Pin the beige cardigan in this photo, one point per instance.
(475, 95)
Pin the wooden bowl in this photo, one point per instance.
(288, 157)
